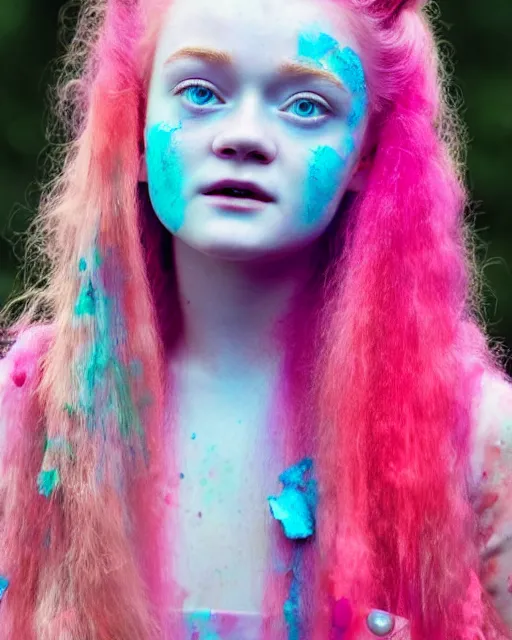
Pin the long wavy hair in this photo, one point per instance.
(397, 354)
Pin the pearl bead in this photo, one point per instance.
(379, 622)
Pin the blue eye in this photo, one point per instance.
(307, 108)
(198, 94)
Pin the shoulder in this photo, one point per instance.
(491, 464)
(492, 427)
(19, 374)
(20, 357)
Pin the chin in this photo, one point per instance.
(229, 250)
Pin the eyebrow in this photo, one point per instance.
(208, 55)
(224, 59)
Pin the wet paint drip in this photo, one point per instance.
(48, 482)
(165, 175)
(4, 585)
(295, 508)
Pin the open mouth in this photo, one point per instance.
(239, 192)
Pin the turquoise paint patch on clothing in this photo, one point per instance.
(296, 509)
(47, 482)
(325, 175)
(165, 175)
(4, 584)
(200, 626)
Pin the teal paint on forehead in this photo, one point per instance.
(165, 175)
(324, 51)
(316, 45)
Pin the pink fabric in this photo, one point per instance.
(492, 489)
(19, 371)
(210, 624)
(491, 486)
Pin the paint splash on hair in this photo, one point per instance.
(4, 585)
(48, 481)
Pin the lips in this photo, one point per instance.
(238, 190)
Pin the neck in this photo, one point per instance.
(233, 312)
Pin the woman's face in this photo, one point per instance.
(256, 114)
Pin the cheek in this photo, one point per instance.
(165, 175)
(327, 170)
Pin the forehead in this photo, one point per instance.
(254, 31)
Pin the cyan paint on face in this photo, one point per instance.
(324, 51)
(165, 174)
(328, 165)
(326, 170)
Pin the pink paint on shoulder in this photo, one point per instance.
(21, 361)
(19, 374)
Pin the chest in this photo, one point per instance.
(228, 463)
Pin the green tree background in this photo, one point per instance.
(476, 33)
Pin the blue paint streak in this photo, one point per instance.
(4, 584)
(165, 175)
(86, 302)
(291, 607)
(296, 509)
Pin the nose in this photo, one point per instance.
(243, 137)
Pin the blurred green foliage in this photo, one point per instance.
(477, 35)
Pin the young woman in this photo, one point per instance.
(252, 399)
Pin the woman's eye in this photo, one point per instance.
(307, 108)
(198, 95)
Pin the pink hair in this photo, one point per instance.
(390, 375)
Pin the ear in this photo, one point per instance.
(143, 169)
(360, 176)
